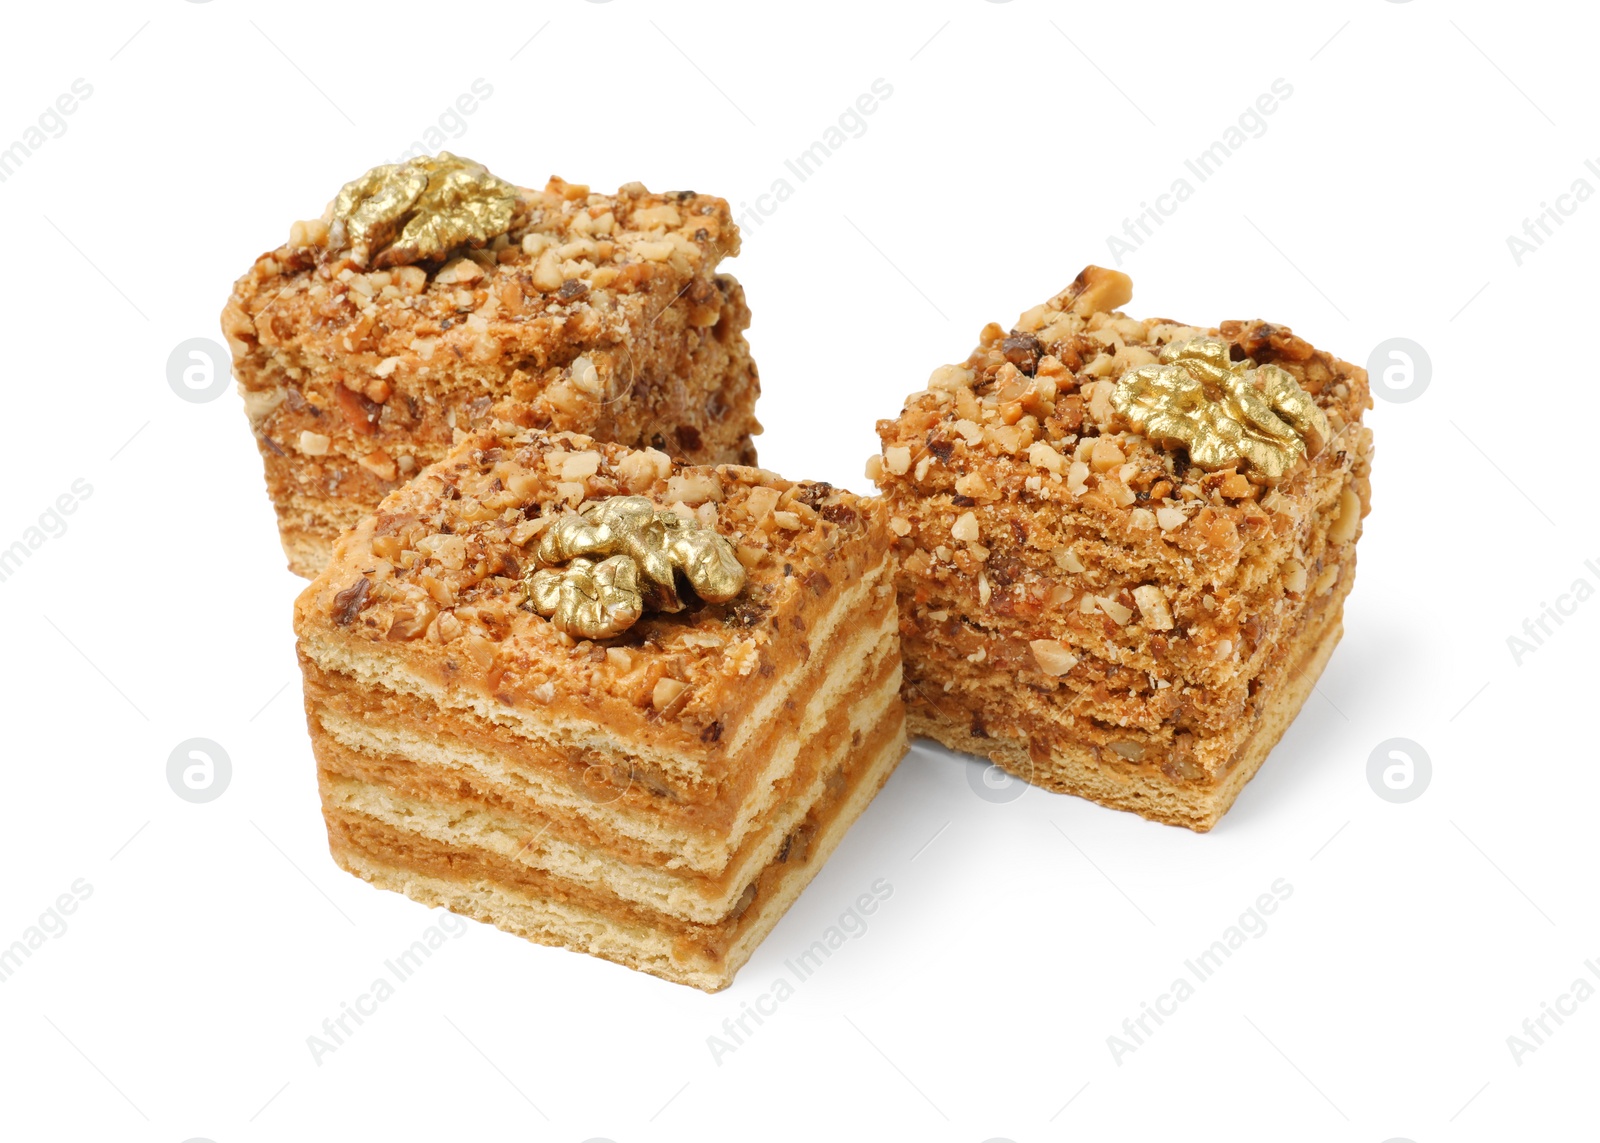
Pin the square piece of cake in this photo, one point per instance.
(382, 332)
(1124, 546)
(602, 699)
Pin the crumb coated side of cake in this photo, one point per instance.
(603, 313)
(1069, 578)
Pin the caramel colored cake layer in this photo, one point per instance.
(1084, 603)
(657, 796)
(705, 956)
(603, 313)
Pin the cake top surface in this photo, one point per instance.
(437, 576)
(459, 258)
(1114, 417)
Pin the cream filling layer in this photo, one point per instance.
(587, 930)
(698, 899)
(677, 849)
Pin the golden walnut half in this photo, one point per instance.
(419, 210)
(1225, 412)
(642, 551)
(589, 600)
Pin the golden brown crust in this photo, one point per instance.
(1112, 781)
(603, 313)
(1060, 571)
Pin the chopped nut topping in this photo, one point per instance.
(1153, 607)
(1100, 393)
(949, 378)
(1118, 613)
(1067, 560)
(348, 603)
(1098, 290)
(665, 692)
(586, 377)
(410, 280)
(1041, 455)
(1106, 455)
(692, 488)
(970, 431)
(460, 271)
(312, 232)
(1053, 658)
(972, 485)
(645, 466)
(1349, 518)
(380, 465)
(580, 465)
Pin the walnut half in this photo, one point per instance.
(419, 210)
(589, 600)
(1225, 412)
(657, 547)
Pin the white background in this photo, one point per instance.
(1020, 933)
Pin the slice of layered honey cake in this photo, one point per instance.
(602, 699)
(1125, 546)
(380, 333)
